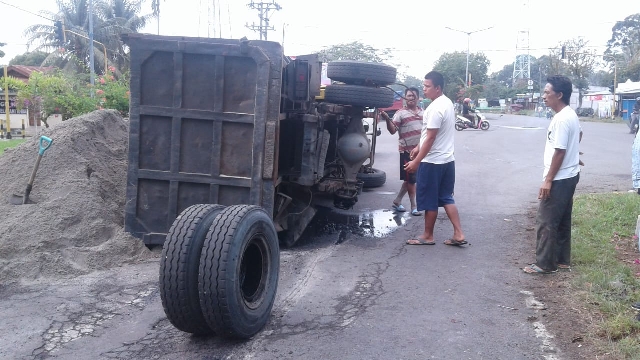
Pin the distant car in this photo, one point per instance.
(517, 107)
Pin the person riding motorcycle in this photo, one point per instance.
(466, 111)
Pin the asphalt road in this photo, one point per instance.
(351, 289)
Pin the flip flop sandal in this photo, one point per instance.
(415, 212)
(419, 242)
(398, 208)
(563, 267)
(534, 269)
(452, 242)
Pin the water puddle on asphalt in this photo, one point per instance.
(368, 223)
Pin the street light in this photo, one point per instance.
(466, 79)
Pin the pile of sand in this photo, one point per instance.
(76, 224)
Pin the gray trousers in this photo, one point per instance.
(553, 225)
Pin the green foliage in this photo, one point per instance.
(2, 52)
(354, 51)
(9, 144)
(580, 64)
(111, 19)
(113, 93)
(625, 37)
(12, 83)
(34, 58)
(453, 67)
(408, 81)
(70, 96)
(602, 223)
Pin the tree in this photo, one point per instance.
(624, 45)
(111, 19)
(580, 64)
(453, 67)
(34, 58)
(625, 37)
(119, 17)
(601, 78)
(407, 82)
(354, 51)
(2, 52)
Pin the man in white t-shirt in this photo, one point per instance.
(434, 163)
(560, 177)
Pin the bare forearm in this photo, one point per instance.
(391, 127)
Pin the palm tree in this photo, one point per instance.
(119, 17)
(111, 19)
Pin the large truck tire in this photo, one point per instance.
(373, 178)
(361, 72)
(239, 268)
(358, 95)
(179, 268)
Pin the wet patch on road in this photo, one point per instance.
(368, 223)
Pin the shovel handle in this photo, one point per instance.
(45, 143)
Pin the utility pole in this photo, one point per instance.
(467, 78)
(92, 78)
(263, 12)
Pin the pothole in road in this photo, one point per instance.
(368, 223)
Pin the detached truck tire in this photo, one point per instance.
(179, 268)
(239, 268)
(374, 178)
(359, 95)
(361, 72)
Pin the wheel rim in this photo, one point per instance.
(254, 268)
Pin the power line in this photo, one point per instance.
(27, 11)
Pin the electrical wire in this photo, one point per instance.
(308, 205)
(27, 11)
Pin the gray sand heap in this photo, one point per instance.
(76, 224)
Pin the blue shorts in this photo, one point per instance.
(435, 185)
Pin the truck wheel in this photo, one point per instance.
(179, 268)
(358, 95)
(239, 268)
(361, 72)
(374, 178)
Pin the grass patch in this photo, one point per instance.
(602, 120)
(604, 251)
(5, 144)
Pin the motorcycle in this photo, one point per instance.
(481, 122)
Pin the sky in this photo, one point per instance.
(416, 31)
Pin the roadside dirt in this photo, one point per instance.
(572, 322)
(75, 225)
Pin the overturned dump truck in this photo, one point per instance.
(230, 145)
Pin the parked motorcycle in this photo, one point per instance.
(481, 122)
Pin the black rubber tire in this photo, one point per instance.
(358, 95)
(239, 269)
(361, 72)
(376, 178)
(459, 125)
(484, 125)
(179, 268)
